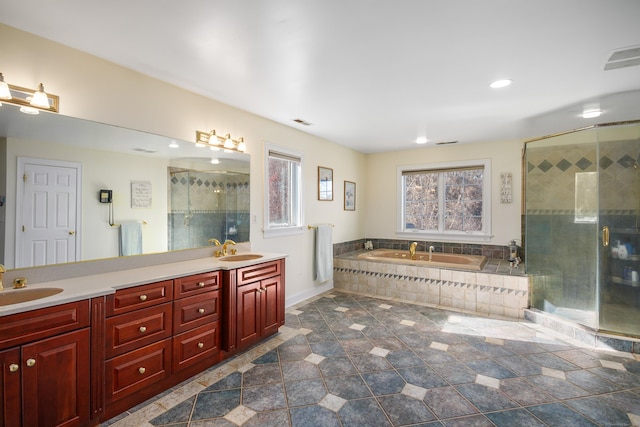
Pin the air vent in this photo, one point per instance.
(302, 122)
(623, 58)
(144, 150)
(446, 142)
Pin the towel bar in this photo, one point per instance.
(311, 227)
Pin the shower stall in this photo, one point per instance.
(205, 205)
(582, 226)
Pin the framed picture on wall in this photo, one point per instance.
(325, 183)
(349, 196)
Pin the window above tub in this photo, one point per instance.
(445, 201)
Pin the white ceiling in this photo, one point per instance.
(369, 74)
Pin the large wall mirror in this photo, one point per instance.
(173, 194)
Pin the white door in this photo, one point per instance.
(47, 217)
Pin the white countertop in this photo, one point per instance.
(85, 287)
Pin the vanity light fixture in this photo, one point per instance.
(5, 93)
(40, 98)
(30, 101)
(216, 142)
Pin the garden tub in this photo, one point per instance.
(439, 260)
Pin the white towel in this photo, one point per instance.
(130, 238)
(324, 253)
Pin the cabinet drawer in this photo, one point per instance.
(126, 300)
(29, 326)
(196, 284)
(195, 345)
(132, 330)
(257, 272)
(133, 371)
(196, 311)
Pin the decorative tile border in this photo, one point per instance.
(488, 294)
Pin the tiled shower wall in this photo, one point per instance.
(555, 240)
(207, 205)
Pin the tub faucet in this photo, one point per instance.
(412, 250)
(431, 248)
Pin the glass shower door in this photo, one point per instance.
(619, 199)
(561, 225)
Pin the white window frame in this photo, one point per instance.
(447, 235)
(268, 230)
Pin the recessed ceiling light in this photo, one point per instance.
(500, 83)
(590, 114)
(421, 140)
(174, 144)
(215, 161)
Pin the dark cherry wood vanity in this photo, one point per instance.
(83, 362)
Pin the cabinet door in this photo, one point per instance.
(55, 375)
(248, 328)
(10, 391)
(271, 309)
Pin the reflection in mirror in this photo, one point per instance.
(173, 189)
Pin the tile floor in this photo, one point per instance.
(350, 360)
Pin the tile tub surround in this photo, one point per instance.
(347, 360)
(492, 292)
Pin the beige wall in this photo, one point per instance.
(381, 188)
(95, 89)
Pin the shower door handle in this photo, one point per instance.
(605, 236)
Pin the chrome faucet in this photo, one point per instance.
(224, 246)
(2, 271)
(412, 250)
(431, 248)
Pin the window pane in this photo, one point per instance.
(459, 209)
(279, 191)
(421, 196)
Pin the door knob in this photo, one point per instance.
(71, 233)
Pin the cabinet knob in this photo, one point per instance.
(201, 284)
(14, 367)
(31, 362)
(200, 345)
(143, 329)
(142, 370)
(201, 310)
(143, 297)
